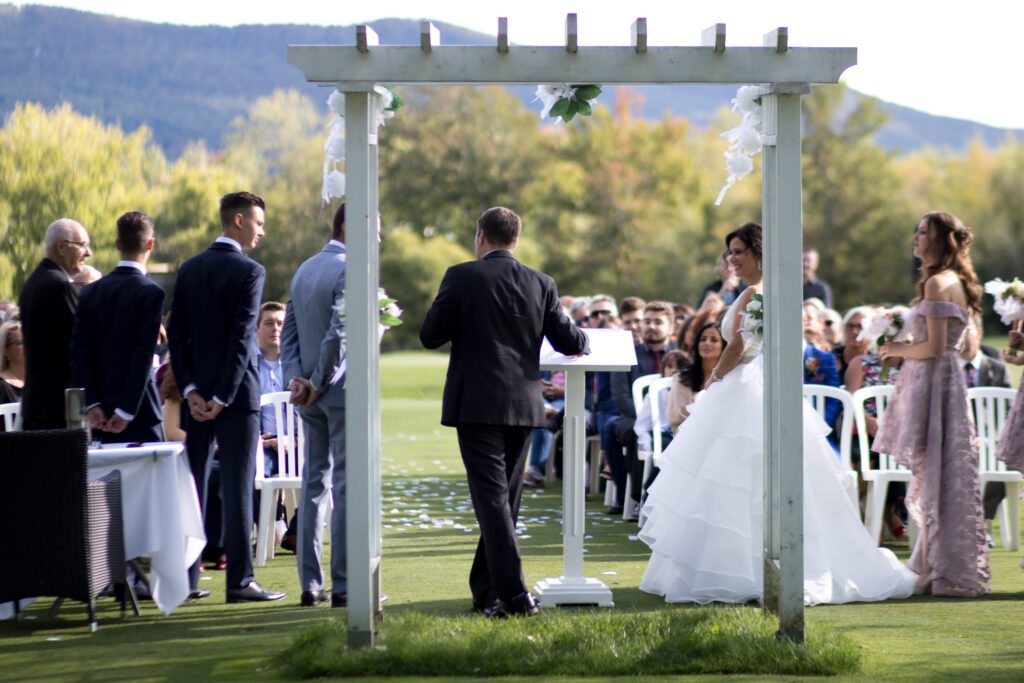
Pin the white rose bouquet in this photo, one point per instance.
(390, 314)
(1009, 303)
(886, 326)
(752, 328)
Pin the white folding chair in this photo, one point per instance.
(594, 461)
(10, 414)
(989, 407)
(654, 391)
(629, 507)
(290, 457)
(888, 470)
(816, 395)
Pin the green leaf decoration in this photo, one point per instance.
(386, 302)
(583, 107)
(389, 320)
(587, 92)
(560, 108)
(396, 100)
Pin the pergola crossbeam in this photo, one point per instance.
(430, 35)
(530, 65)
(572, 38)
(502, 34)
(714, 36)
(639, 35)
(778, 39)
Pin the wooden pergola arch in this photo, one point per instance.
(785, 74)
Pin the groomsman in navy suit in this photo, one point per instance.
(114, 337)
(212, 338)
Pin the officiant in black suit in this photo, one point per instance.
(495, 312)
(48, 302)
(212, 339)
(115, 333)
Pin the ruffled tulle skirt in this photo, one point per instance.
(704, 510)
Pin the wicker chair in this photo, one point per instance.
(70, 533)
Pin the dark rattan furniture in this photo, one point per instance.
(70, 534)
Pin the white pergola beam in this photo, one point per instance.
(479, 65)
(572, 38)
(502, 34)
(779, 39)
(714, 36)
(366, 38)
(430, 35)
(639, 35)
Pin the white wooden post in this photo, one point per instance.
(783, 405)
(362, 389)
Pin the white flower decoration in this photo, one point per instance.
(745, 140)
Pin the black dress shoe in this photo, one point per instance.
(614, 510)
(313, 598)
(199, 594)
(339, 599)
(253, 593)
(481, 606)
(522, 605)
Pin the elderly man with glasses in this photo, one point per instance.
(48, 302)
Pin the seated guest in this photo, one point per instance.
(602, 306)
(268, 340)
(631, 311)
(831, 328)
(866, 371)
(671, 364)
(86, 276)
(579, 311)
(820, 368)
(621, 453)
(851, 347)
(982, 370)
(705, 353)
(12, 363)
(814, 332)
(171, 397)
(553, 390)
(113, 341)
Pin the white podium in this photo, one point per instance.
(610, 350)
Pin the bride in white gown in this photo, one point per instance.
(704, 510)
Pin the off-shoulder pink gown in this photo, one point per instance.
(1011, 443)
(926, 427)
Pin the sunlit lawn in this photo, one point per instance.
(428, 543)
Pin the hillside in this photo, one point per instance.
(188, 83)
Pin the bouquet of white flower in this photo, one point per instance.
(752, 328)
(390, 314)
(1009, 303)
(566, 101)
(888, 325)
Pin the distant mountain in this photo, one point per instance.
(188, 83)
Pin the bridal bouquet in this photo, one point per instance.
(1009, 303)
(884, 327)
(752, 329)
(390, 315)
(563, 100)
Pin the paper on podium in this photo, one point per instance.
(609, 350)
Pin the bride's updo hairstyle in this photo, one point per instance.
(950, 249)
(750, 235)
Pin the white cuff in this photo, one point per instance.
(217, 399)
(189, 389)
(123, 415)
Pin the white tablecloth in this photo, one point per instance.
(161, 513)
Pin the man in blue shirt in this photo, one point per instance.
(268, 360)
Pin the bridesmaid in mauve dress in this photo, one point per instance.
(926, 425)
(1011, 443)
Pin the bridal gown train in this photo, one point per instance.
(704, 510)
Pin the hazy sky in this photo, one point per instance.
(945, 58)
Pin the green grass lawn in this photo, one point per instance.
(428, 543)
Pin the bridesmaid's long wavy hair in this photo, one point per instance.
(950, 244)
(691, 374)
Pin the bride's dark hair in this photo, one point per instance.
(750, 235)
(950, 247)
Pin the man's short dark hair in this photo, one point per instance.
(500, 226)
(269, 307)
(338, 226)
(238, 202)
(660, 308)
(134, 229)
(630, 304)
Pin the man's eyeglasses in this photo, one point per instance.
(83, 245)
(597, 313)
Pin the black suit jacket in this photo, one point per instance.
(622, 382)
(212, 330)
(495, 311)
(47, 302)
(112, 347)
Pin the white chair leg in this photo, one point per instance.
(876, 515)
(1009, 520)
(609, 493)
(628, 504)
(851, 491)
(265, 537)
(595, 465)
(327, 520)
(549, 468)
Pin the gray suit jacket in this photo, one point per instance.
(313, 339)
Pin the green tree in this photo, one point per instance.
(57, 163)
